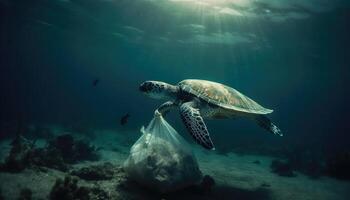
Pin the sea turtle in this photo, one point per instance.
(202, 99)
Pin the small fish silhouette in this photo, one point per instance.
(95, 82)
(124, 119)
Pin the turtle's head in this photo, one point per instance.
(158, 90)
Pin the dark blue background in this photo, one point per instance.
(50, 54)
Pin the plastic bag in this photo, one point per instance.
(161, 159)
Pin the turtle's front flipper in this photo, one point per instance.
(266, 124)
(165, 107)
(195, 125)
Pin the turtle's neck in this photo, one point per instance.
(171, 91)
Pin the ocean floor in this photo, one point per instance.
(245, 177)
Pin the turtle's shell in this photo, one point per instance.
(222, 95)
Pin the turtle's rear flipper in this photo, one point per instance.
(195, 125)
(266, 124)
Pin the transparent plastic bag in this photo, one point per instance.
(161, 159)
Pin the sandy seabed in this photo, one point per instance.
(236, 177)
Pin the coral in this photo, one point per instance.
(63, 145)
(48, 157)
(105, 171)
(85, 151)
(338, 165)
(64, 150)
(73, 150)
(58, 154)
(19, 155)
(282, 168)
(25, 194)
(68, 189)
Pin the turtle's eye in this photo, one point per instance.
(145, 87)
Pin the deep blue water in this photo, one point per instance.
(290, 56)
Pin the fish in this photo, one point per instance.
(124, 119)
(95, 82)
